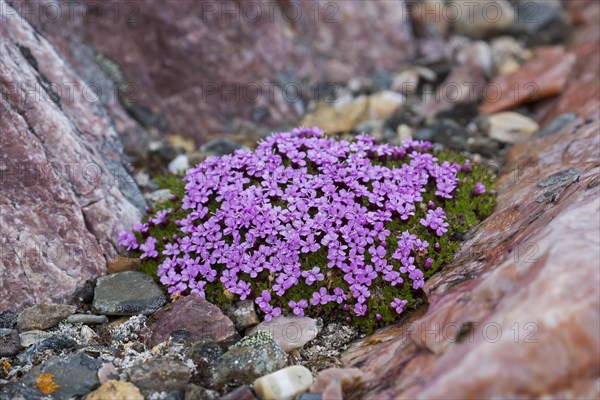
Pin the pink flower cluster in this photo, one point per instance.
(296, 194)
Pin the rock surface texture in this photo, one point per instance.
(172, 57)
(65, 192)
(516, 314)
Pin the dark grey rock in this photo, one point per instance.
(128, 293)
(85, 294)
(205, 354)
(252, 357)
(19, 391)
(449, 133)
(8, 319)
(242, 393)
(242, 314)
(160, 375)
(10, 342)
(75, 375)
(43, 316)
(541, 21)
(87, 319)
(193, 392)
(221, 146)
(558, 177)
(55, 343)
(482, 145)
(310, 396)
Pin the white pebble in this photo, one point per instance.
(284, 384)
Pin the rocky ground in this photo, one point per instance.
(515, 315)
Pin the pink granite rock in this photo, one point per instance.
(65, 192)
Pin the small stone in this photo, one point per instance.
(32, 337)
(8, 320)
(339, 119)
(107, 372)
(510, 127)
(406, 82)
(310, 396)
(372, 127)
(384, 104)
(43, 316)
(157, 196)
(481, 19)
(194, 392)
(160, 375)
(289, 332)
(65, 376)
(557, 124)
(332, 382)
(179, 164)
(445, 131)
(127, 293)
(220, 147)
(252, 357)
(242, 314)
(87, 319)
(10, 344)
(284, 384)
(182, 142)
(87, 333)
(195, 315)
(85, 294)
(483, 145)
(55, 343)
(404, 132)
(116, 390)
(242, 393)
(204, 354)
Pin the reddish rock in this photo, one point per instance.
(332, 382)
(121, 264)
(65, 193)
(191, 64)
(192, 318)
(542, 77)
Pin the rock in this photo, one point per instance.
(179, 164)
(476, 53)
(116, 390)
(289, 332)
(87, 319)
(372, 127)
(55, 343)
(540, 21)
(158, 196)
(483, 145)
(193, 392)
(510, 127)
(542, 77)
(310, 396)
(160, 375)
(383, 105)
(195, 315)
(182, 142)
(252, 357)
(446, 132)
(85, 294)
(204, 354)
(242, 314)
(557, 124)
(43, 316)
(333, 382)
(18, 390)
(481, 19)
(66, 191)
(284, 384)
(242, 393)
(122, 264)
(338, 119)
(403, 132)
(10, 344)
(221, 147)
(64, 377)
(32, 337)
(8, 320)
(127, 293)
(406, 82)
(107, 372)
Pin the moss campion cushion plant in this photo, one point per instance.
(306, 224)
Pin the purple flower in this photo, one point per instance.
(320, 297)
(127, 239)
(313, 275)
(298, 308)
(398, 305)
(148, 249)
(435, 220)
(479, 189)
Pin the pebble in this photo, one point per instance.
(10, 344)
(289, 332)
(65, 377)
(220, 147)
(157, 196)
(122, 264)
(32, 337)
(179, 164)
(192, 318)
(404, 132)
(557, 124)
(372, 127)
(406, 82)
(8, 319)
(160, 375)
(339, 119)
(332, 382)
(483, 18)
(127, 293)
(444, 131)
(483, 145)
(194, 392)
(252, 357)
(284, 384)
(310, 396)
(242, 393)
(43, 316)
(204, 354)
(85, 294)
(242, 314)
(107, 372)
(383, 105)
(87, 319)
(116, 390)
(510, 127)
(55, 343)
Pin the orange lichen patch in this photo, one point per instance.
(45, 384)
(6, 366)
